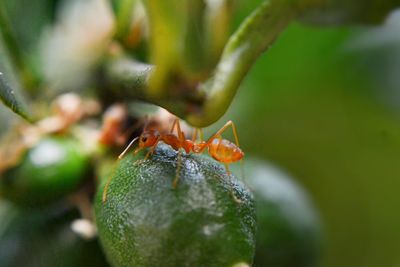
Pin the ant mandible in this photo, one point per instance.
(220, 149)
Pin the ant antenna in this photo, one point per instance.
(105, 190)
(146, 124)
(128, 147)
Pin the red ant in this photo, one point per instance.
(220, 149)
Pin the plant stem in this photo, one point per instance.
(254, 36)
(203, 104)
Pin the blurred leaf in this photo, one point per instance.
(194, 37)
(168, 24)
(218, 20)
(28, 19)
(11, 100)
(123, 10)
(338, 12)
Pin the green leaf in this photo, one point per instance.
(11, 99)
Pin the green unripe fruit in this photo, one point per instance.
(288, 227)
(43, 238)
(146, 222)
(48, 171)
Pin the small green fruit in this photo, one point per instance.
(147, 222)
(48, 171)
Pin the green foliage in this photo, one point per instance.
(304, 113)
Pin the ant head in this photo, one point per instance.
(148, 139)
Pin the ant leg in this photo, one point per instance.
(147, 155)
(173, 125)
(201, 134)
(194, 135)
(151, 152)
(146, 123)
(105, 190)
(180, 133)
(228, 172)
(220, 131)
(119, 158)
(178, 170)
(198, 132)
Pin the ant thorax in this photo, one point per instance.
(220, 149)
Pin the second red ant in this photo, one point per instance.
(220, 149)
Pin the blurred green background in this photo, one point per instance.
(322, 104)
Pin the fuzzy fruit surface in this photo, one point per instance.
(48, 171)
(146, 222)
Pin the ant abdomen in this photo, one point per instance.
(225, 151)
